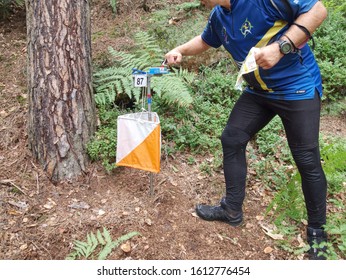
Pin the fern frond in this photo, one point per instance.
(125, 237)
(100, 238)
(100, 98)
(113, 244)
(113, 4)
(107, 236)
(172, 89)
(104, 239)
(111, 82)
(187, 76)
(81, 248)
(91, 245)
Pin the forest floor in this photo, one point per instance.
(40, 220)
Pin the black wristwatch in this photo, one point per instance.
(285, 47)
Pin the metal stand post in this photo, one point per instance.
(140, 83)
(149, 99)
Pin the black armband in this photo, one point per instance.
(307, 33)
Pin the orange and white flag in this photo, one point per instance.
(139, 141)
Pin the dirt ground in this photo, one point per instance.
(39, 220)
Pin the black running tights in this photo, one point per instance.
(301, 120)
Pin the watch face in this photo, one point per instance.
(285, 47)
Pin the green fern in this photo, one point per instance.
(110, 245)
(117, 80)
(113, 4)
(112, 82)
(101, 241)
(164, 86)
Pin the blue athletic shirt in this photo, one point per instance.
(257, 23)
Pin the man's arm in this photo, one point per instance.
(310, 20)
(268, 56)
(193, 47)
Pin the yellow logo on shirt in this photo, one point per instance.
(246, 28)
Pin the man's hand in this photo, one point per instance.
(268, 56)
(193, 47)
(174, 57)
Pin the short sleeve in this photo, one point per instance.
(209, 35)
(289, 10)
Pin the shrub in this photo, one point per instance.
(103, 144)
(330, 50)
(7, 6)
(199, 127)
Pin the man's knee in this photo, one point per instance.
(308, 163)
(234, 138)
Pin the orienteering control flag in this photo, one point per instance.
(139, 141)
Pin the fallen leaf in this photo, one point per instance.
(14, 212)
(103, 201)
(259, 218)
(194, 214)
(301, 241)
(268, 250)
(49, 205)
(275, 236)
(174, 183)
(248, 225)
(220, 237)
(52, 201)
(270, 232)
(126, 247)
(23, 247)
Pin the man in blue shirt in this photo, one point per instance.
(286, 82)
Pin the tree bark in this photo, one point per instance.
(61, 105)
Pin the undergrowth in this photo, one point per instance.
(288, 208)
(97, 246)
(113, 83)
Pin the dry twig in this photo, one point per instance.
(9, 182)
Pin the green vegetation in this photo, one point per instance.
(7, 6)
(329, 53)
(116, 80)
(287, 207)
(113, 4)
(166, 25)
(199, 127)
(100, 245)
(103, 145)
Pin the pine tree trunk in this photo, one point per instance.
(61, 104)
